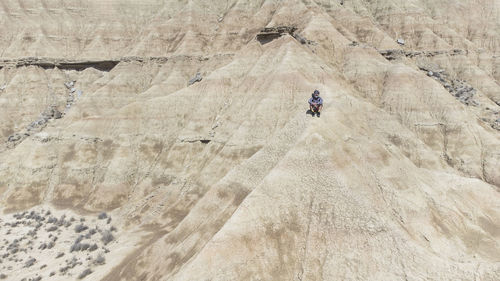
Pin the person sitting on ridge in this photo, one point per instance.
(315, 103)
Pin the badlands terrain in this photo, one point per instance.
(169, 140)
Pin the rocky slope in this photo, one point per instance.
(186, 122)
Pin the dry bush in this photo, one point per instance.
(81, 227)
(107, 237)
(85, 273)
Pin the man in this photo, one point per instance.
(316, 103)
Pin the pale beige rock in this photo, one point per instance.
(228, 178)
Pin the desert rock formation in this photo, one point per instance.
(185, 121)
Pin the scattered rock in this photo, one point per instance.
(458, 88)
(392, 54)
(196, 78)
(302, 39)
(400, 41)
(49, 113)
(70, 84)
(102, 216)
(496, 124)
(14, 137)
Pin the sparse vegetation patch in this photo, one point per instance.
(30, 237)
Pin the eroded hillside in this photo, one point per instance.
(185, 121)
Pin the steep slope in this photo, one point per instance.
(228, 178)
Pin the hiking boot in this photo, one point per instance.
(318, 114)
(312, 113)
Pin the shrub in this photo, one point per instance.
(52, 228)
(75, 247)
(81, 227)
(30, 262)
(84, 246)
(93, 247)
(107, 237)
(99, 260)
(84, 273)
(79, 239)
